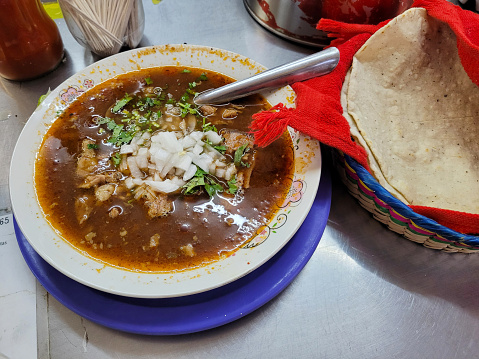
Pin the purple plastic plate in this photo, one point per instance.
(192, 313)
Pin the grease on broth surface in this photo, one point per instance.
(160, 218)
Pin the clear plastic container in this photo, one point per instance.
(105, 26)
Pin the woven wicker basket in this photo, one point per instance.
(395, 214)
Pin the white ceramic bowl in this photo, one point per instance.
(65, 258)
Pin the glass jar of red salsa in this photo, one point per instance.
(30, 43)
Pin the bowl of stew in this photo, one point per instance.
(122, 183)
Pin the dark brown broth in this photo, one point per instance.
(212, 237)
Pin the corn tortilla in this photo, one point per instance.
(414, 109)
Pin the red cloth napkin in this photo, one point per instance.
(318, 111)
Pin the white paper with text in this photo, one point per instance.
(18, 329)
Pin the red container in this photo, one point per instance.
(30, 43)
(296, 20)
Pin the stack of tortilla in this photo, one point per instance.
(411, 105)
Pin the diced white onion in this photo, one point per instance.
(169, 165)
(230, 171)
(126, 149)
(188, 142)
(172, 158)
(219, 163)
(190, 172)
(196, 135)
(197, 149)
(213, 137)
(184, 161)
(220, 172)
(142, 158)
(166, 186)
(134, 170)
(137, 181)
(212, 152)
(169, 142)
(162, 156)
(212, 168)
(135, 139)
(129, 183)
(154, 147)
(146, 136)
(203, 161)
(178, 181)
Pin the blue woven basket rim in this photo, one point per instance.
(407, 212)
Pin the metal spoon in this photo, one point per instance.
(311, 66)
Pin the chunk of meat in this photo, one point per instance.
(239, 108)
(86, 147)
(246, 172)
(236, 139)
(101, 178)
(92, 181)
(230, 113)
(114, 212)
(83, 207)
(113, 177)
(149, 90)
(144, 192)
(89, 237)
(104, 192)
(159, 207)
(154, 240)
(87, 160)
(188, 250)
(208, 110)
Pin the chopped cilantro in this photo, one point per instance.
(198, 180)
(116, 130)
(202, 178)
(192, 84)
(220, 148)
(148, 81)
(149, 102)
(121, 103)
(116, 158)
(203, 77)
(207, 126)
(186, 108)
(212, 187)
(92, 146)
(111, 125)
(186, 71)
(119, 135)
(239, 153)
(184, 98)
(232, 187)
(101, 120)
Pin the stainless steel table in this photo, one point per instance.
(365, 293)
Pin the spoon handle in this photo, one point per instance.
(318, 64)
